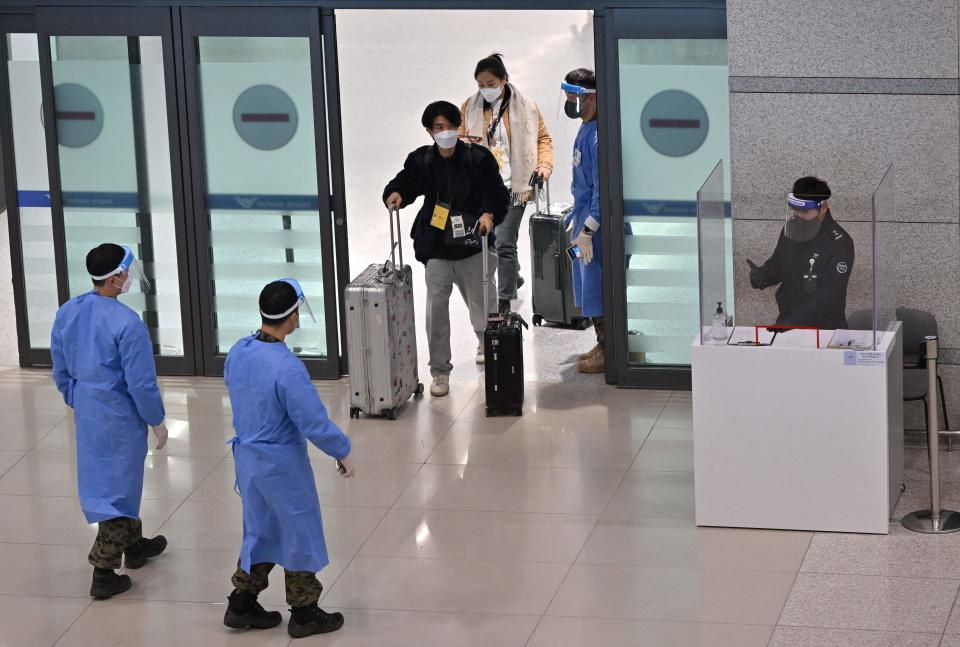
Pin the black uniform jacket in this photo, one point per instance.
(813, 277)
(469, 181)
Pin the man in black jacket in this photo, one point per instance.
(812, 261)
(463, 198)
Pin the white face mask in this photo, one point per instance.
(127, 282)
(446, 139)
(491, 94)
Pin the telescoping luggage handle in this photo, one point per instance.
(486, 277)
(395, 240)
(540, 186)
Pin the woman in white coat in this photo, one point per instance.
(508, 123)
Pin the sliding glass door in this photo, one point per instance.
(109, 117)
(261, 194)
(667, 110)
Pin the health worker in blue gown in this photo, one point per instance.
(276, 410)
(103, 365)
(580, 94)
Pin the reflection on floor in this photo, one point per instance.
(569, 526)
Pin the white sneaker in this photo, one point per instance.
(481, 357)
(440, 386)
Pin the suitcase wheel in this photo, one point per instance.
(418, 393)
(491, 412)
(391, 413)
(518, 411)
(537, 320)
(354, 412)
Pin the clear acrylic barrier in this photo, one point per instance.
(885, 275)
(837, 278)
(713, 238)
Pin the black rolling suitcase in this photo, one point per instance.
(552, 267)
(503, 352)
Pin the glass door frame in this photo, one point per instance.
(660, 20)
(129, 23)
(304, 22)
(16, 23)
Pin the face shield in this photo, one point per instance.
(300, 302)
(132, 266)
(571, 99)
(803, 219)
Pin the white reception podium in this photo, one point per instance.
(790, 436)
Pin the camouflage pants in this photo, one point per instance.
(303, 587)
(598, 325)
(113, 536)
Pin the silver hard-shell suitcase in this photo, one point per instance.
(381, 335)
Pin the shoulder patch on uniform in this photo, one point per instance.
(837, 234)
(842, 268)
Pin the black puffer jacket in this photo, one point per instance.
(469, 181)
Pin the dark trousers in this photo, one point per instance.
(303, 587)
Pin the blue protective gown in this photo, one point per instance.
(103, 365)
(587, 279)
(276, 409)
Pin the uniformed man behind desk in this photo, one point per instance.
(812, 261)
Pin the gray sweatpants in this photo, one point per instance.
(467, 275)
(508, 270)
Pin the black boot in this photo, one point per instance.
(138, 554)
(306, 621)
(106, 583)
(503, 306)
(244, 612)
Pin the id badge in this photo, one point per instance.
(456, 227)
(441, 211)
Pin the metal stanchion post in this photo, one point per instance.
(933, 520)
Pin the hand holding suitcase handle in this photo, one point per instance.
(540, 184)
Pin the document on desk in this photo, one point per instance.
(852, 340)
(747, 336)
(801, 338)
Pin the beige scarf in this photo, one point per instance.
(524, 127)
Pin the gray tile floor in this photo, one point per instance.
(571, 526)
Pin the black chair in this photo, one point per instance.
(917, 324)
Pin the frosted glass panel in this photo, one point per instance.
(111, 119)
(256, 98)
(33, 187)
(675, 126)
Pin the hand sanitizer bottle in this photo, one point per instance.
(719, 324)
